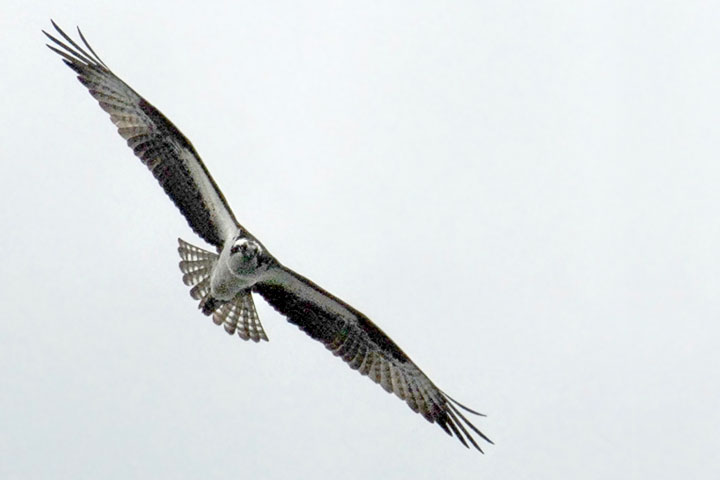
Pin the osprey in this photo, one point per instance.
(223, 281)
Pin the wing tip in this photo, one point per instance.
(74, 50)
(447, 414)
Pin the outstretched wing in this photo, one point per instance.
(352, 336)
(155, 140)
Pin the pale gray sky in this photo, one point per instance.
(524, 195)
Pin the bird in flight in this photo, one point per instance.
(223, 281)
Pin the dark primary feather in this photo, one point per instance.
(155, 140)
(364, 347)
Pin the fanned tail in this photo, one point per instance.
(237, 315)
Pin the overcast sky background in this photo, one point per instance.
(524, 195)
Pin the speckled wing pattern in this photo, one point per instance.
(156, 141)
(350, 335)
(236, 316)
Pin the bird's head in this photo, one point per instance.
(247, 255)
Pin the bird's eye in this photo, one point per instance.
(238, 247)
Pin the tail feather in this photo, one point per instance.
(201, 291)
(237, 315)
(193, 277)
(240, 316)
